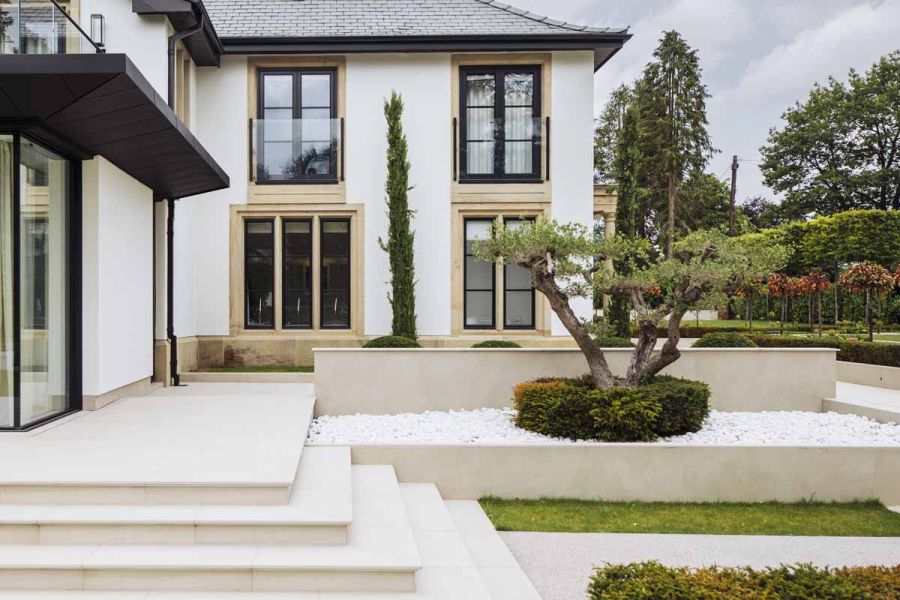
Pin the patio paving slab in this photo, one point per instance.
(560, 564)
(880, 404)
(171, 437)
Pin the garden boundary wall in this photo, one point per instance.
(391, 381)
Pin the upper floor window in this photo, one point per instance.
(297, 132)
(500, 123)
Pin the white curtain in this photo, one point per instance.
(519, 122)
(480, 124)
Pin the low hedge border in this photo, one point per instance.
(391, 341)
(869, 353)
(496, 344)
(724, 340)
(575, 409)
(652, 581)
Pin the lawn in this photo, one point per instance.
(259, 369)
(887, 337)
(770, 518)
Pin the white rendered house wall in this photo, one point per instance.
(572, 151)
(424, 82)
(143, 38)
(117, 282)
(220, 123)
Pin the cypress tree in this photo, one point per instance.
(400, 240)
(627, 155)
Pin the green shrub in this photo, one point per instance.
(391, 341)
(570, 414)
(533, 400)
(575, 409)
(626, 415)
(684, 404)
(651, 580)
(724, 340)
(870, 353)
(496, 344)
(613, 342)
(794, 341)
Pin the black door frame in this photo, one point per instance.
(73, 282)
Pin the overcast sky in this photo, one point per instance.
(758, 56)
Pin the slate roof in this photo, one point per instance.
(383, 18)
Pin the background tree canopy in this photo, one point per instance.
(840, 149)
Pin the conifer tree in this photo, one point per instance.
(401, 237)
(671, 98)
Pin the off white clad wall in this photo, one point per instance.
(219, 120)
(185, 259)
(118, 286)
(424, 82)
(143, 39)
(572, 150)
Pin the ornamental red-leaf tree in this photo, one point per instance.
(785, 287)
(566, 262)
(817, 282)
(867, 278)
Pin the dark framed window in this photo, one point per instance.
(259, 273)
(500, 123)
(297, 134)
(518, 293)
(334, 278)
(479, 279)
(296, 282)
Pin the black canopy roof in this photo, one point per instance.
(101, 104)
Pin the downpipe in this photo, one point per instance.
(170, 213)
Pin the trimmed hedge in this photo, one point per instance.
(652, 581)
(724, 340)
(613, 342)
(391, 341)
(496, 344)
(575, 409)
(870, 353)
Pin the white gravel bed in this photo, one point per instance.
(495, 426)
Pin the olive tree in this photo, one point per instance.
(566, 262)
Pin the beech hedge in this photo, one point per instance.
(870, 353)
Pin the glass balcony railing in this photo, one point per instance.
(296, 150)
(41, 27)
(487, 148)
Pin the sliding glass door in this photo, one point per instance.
(35, 283)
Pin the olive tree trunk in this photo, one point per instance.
(545, 283)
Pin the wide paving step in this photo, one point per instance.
(319, 512)
(380, 556)
(196, 447)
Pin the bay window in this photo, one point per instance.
(500, 123)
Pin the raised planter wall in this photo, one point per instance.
(648, 472)
(390, 381)
(874, 375)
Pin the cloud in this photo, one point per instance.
(741, 115)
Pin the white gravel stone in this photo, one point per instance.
(495, 426)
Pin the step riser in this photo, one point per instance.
(137, 495)
(295, 535)
(240, 580)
